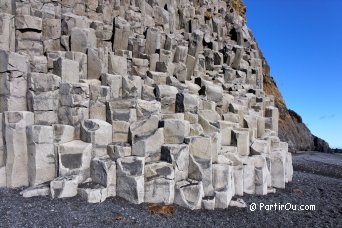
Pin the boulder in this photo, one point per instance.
(178, 156)
(98, 133)
(159, 183)
(63, 133)
(64, 187)
(15, 135)
(114, 82)
(82, 39)
(189, 194)
(175, 131)
(117, 65)
(147, 108)
(92, 192)
(120, 131)
(67, 70)
(41, 154)
(240, 139)
(144, 127)
(97, 62)
(103, 172)
(74, 159)
(200, 164)
(119, 150)
(130, 179)
(223, 183)
(149, 146)
(39, 190)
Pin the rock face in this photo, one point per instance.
(152, 101)
(291, 127)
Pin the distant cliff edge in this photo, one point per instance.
(291, 127)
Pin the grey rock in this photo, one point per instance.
(74, 159)
(92, 193)
(39, 190)
(15, 124)
(103, 172)
(64, 187)
(82, 39)
(130, 179)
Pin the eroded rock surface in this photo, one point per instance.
(151, 101)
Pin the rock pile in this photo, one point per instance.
(152, 101)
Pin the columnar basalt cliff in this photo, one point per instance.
(152, 101)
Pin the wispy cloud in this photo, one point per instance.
(331, 116)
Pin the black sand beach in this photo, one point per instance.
(317, 181)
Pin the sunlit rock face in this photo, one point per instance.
(151, 101)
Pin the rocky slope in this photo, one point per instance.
(151, 101)
(291, 127)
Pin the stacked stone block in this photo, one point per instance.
(152, 101)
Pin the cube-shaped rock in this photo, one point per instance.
(272, 114)
(130, 179)
(51, 29)
(159, 183)
(120, 131)
(115, 84)
(64, 187)
(28, 22)
(39, 190)
(98, 133)
(67, 69)
(143, 127)
(82, 39)
(149, 146)
(175, 130)
(189, 194)
(153, 39)
(92, 192)
(74, 159)
(63, 133)
(74, 94)
(262, 175)
(119, 150)
(259, 147)
(117, 64)
(147, 108)
(103, 171)
(178, 155)
(240, 138)
(249, 175)
(3, 183)
(223, 182)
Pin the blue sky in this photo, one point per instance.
(302, 42)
